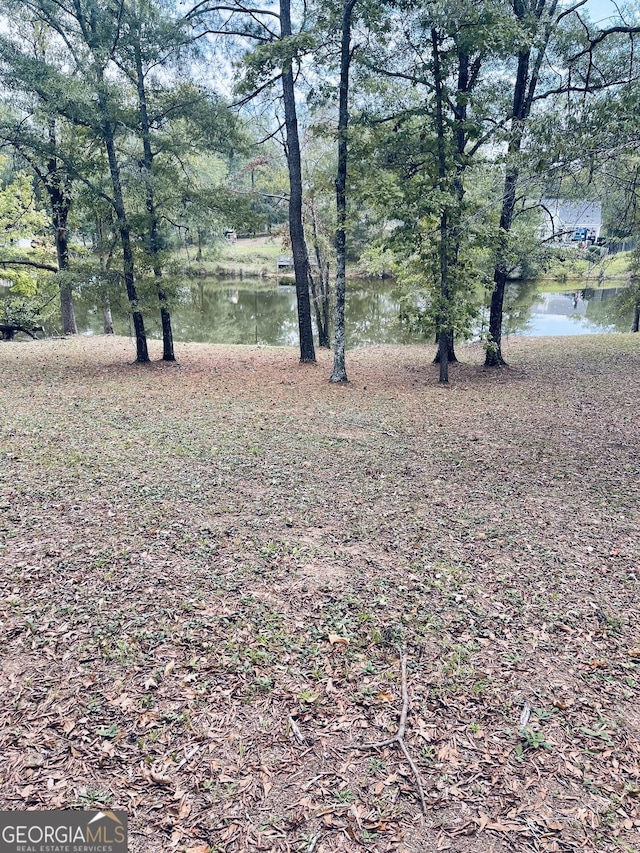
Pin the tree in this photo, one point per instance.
(22, 218)
(83, 92)
(58, 184)
(634, 288)
(319, 282)
(339, 373)
(38, 148)
(275, 59)
(430, 130)
(142, 32)
(296, 226)
(108, 74)
(37, 138)
(546, 26)
(173, 120)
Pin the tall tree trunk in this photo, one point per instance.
(461, 137)
(451, 350)
(59, 193)
(107, 318)
(128, 270)
(316, 298)
(636, 317)
(339, 366)
(69, 325)
(445, 331)
(296, 228)
(325, 282)
(153, 243)
(320, 293)
(494, 356)
(524, 90)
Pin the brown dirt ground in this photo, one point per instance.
(178, 543)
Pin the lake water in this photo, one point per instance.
(245, 312)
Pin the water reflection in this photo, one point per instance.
(254, 313)
(245, 312)
(583, 311)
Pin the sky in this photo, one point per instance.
(601, 9)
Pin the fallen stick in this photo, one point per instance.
(399, 735)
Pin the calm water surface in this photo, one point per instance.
(245, 312)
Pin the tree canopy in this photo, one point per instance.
(143, 121)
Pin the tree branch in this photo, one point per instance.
(23, 262)
(255, 92)
(566, 12)
(204, 8)
(399, 735)
(593, 42)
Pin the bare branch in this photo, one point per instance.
(399, 735)
(585, 89)
(566, 12)
(596, 40)
(23, 262)
(255, 92)
(204, 8)
(281, 125)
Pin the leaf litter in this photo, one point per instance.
(208, 570)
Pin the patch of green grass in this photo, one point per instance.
(377, 766)
(108, 731)
(531, 739)
(94, 796)
(344, 796)
(246, 258)
(571, 266)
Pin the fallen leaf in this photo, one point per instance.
(184, 809)
(499, 826)
(336, 639)
(152, 775)
(482, 820)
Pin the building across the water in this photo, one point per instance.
(571, 223)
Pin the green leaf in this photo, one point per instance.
(110, 731)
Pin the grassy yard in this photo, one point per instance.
(572, 268)
(257, 257)
(209, 573)
(248, 257)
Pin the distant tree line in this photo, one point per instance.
(419, 137)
